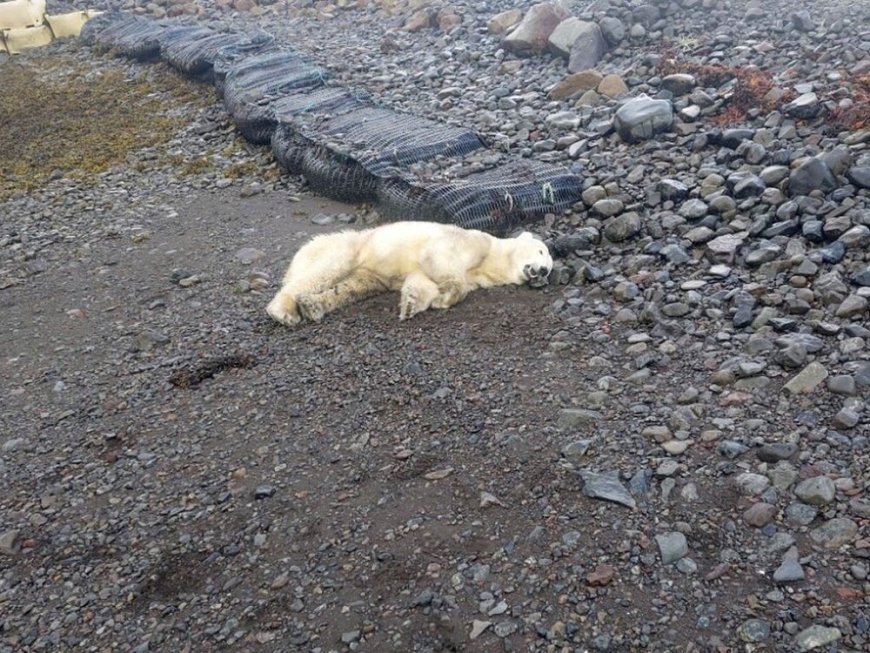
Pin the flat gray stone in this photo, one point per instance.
(607, 487)
(816, 636)
(807, 380)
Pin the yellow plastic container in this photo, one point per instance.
(16, 14)
(23, 38)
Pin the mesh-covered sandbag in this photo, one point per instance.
(260, 42)
(255, 83)
(496, 201)
(92, 29)
(194, 54)
(347, 156)
(292, 110)
(131, 36)
(181, 49)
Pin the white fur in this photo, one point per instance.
(433, 265)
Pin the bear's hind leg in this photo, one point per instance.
(418, 293)
(356, 286)
(318, 265)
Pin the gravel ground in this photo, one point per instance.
(666, 449)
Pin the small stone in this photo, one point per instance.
(9, 543)
(478, 628)
(800, 514)
(679, 84)
(264, 491)
(776, 451)
(843, 384)
(752, 484)
(574, 418)
(622, 227)
(672, 546)
(280, 581)
(249, 255)
(759, 514)
(612, 86)
(804, 106)
(790, 571)
(817, 491)
(835, 533)
(753, 631)
(816, 636)
(350, 636)
(576, 84)
(607, 487)
(807, 380)
(846, 418)
(852, 306)
(577, 449)
(602, 575)
(608, 208)
(676, 447)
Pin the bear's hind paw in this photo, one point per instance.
(408, 308)
(279, 312)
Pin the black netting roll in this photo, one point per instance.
(252, 85)
(193, 52)
(94, 26)
(291, 111)
(132, 36)
(230, 55)
(496, 201)
(347, 156)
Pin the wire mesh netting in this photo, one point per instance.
(193, 53)
(292, 111)
(345, 146)
(346, 156)
(497, 200)
(252, 85)
(259, 42)
(132, 36)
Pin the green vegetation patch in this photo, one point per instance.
(57, 113)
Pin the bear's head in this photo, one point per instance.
(531, 258)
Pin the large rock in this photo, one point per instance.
(576, 84)
(612, 29)
(501, 23)
(588, 47)
(563, 37)
(860, 176)
(812, 174)
(533, 33)
(643, 118)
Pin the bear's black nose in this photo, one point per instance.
(544, 271)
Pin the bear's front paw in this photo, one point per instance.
(283, 311)
(310, 308)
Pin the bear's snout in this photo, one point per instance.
(535, 272)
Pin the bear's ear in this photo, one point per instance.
(526, 235)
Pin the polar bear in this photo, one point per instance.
(432, 265)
